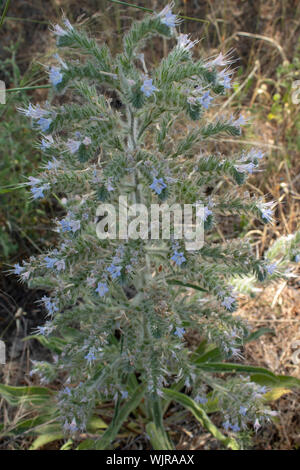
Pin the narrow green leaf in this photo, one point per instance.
(87, 444)
(116, 424)
(257, 334)
(158, 438)
(44, 439)
(18, 395)
(54, 344)
(258, 374)
(175, 282)
(202, 417)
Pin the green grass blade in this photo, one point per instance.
(113, 429)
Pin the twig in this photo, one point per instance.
(151, 11)
(13, 18)
(29, 88)
(248, 142)
(267, 39)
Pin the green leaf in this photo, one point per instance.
(158, 436)
(166, 401)
(202, 417)
(158, 439)
(116, 423)
(44, 439)
(276, 393)
(259, 375)
(95, 424)
(19, 395)
(68, 445)
(87, 444)
(175, 282)
(54, 344)
(257, 334)
(213, 354)
(209, 353)
(32, 426)
(137, 98)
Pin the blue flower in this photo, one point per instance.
(297, 259)
(235, 427)
(75, 225)
(47, 142)
(60, 265)
(205, 100)
(179, 332)
(178, 258)
(50, 262)
(253, 155)
(168, 18)
(184, 42)
(240, 121)
(271, 268)
(158, 185)
(227, 82)
(41, 330)
(90, 357)
(73, 426)
(65, 225)
(226, 79)
(147, 88)
(267, 214)
(50, 306)
(73, 145)
(18, 269)
(109, 187)
(115, 271)
(35, 112)
(201, 400)
(245, 167)
(124, 394)
(226, 425)
(227, 302)
(55, 76)
(33, 181)
(243, 410)
(69, 225)
(37, 192)
(207, 213)
(102, 288)
(44, 124)
(52, 165)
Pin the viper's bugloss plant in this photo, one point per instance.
(130, 304)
